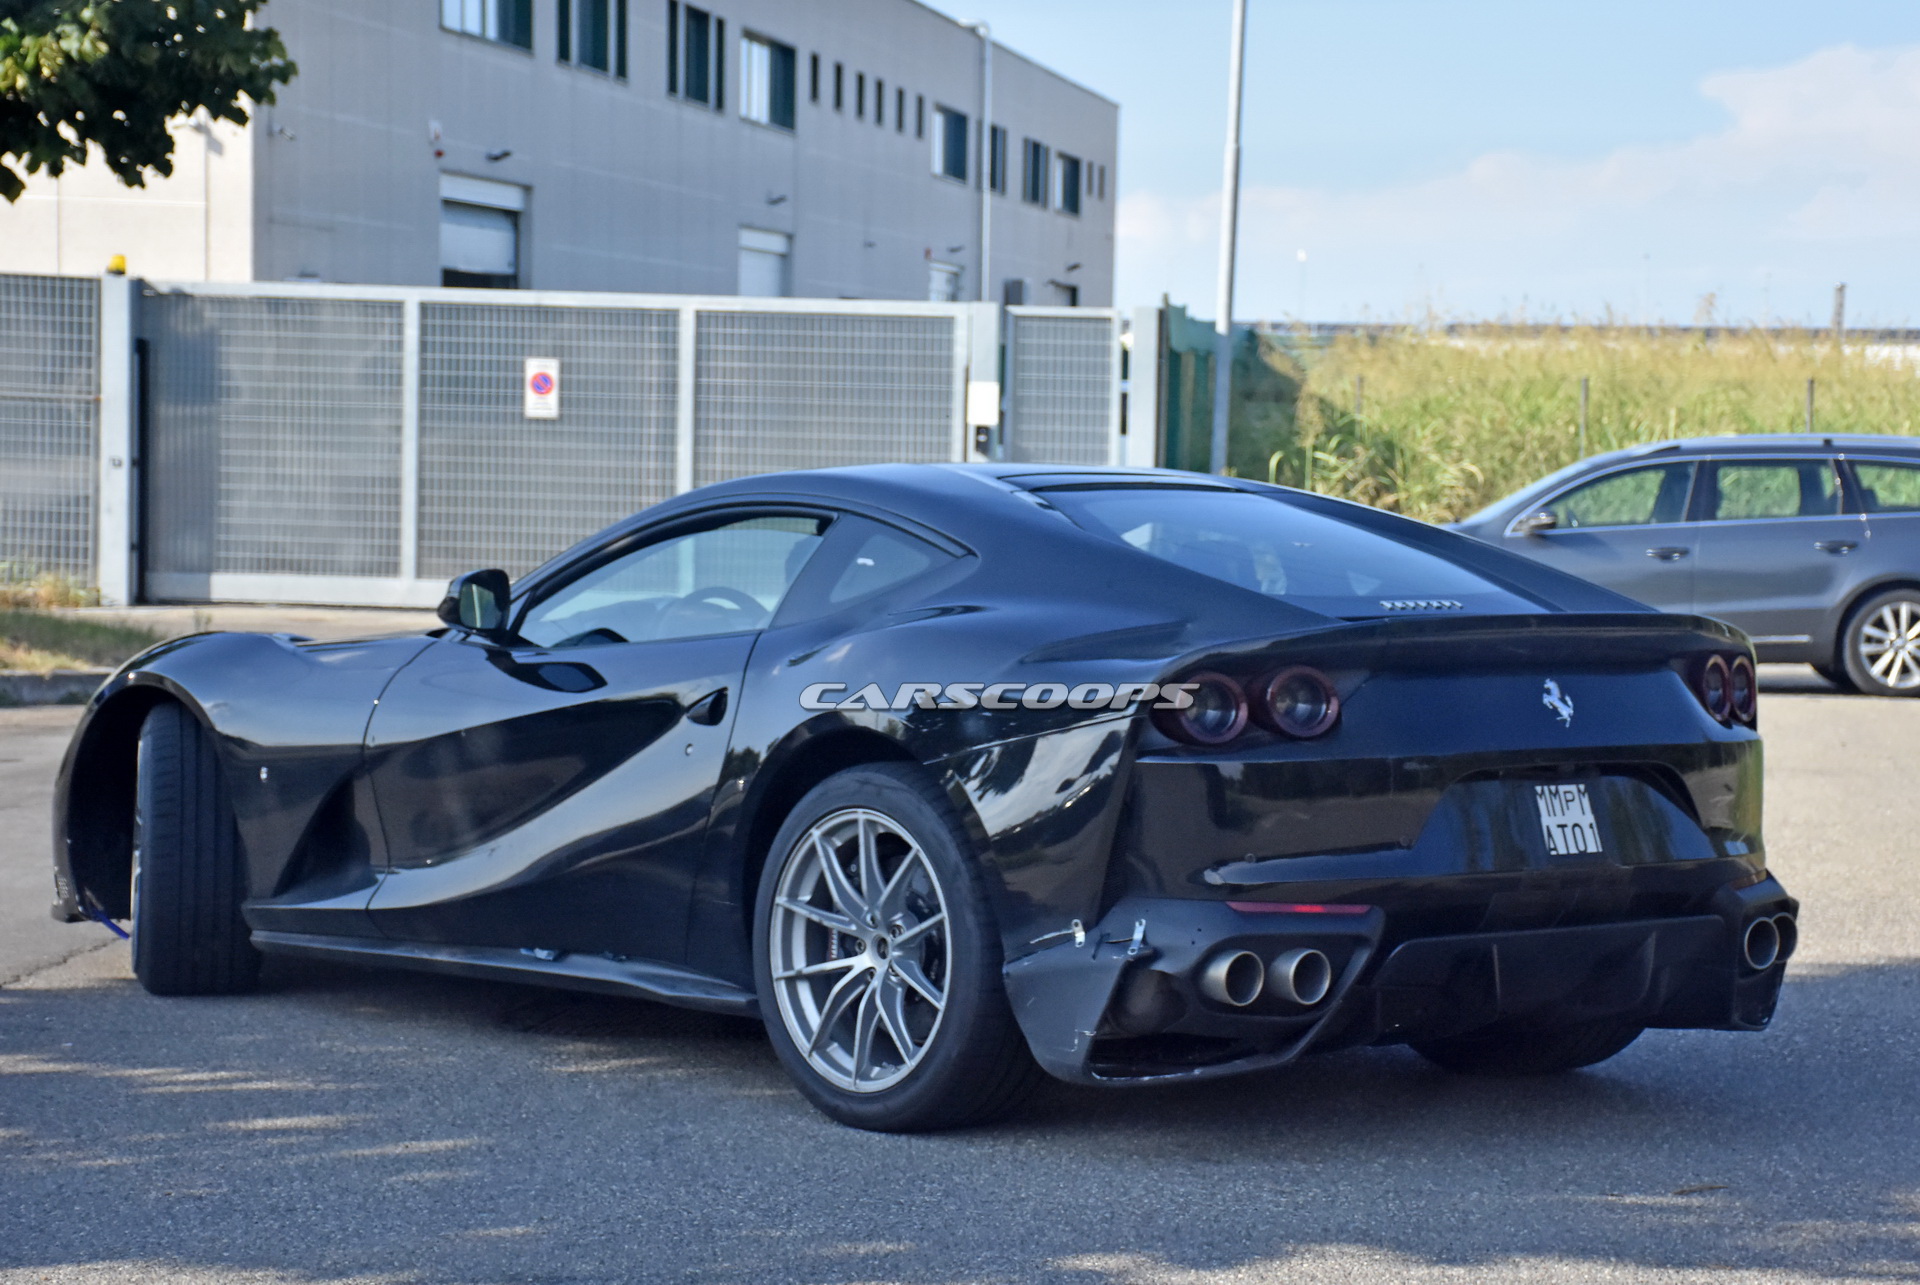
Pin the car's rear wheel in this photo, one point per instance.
(1881, 648)
(1530, 1050)
(878, 960)
(188, 880)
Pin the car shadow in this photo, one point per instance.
(344, 1122)
(1780, 680)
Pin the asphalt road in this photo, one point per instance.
(343, 1125)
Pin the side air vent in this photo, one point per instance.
(1420, 604)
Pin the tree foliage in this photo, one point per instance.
(113, 73)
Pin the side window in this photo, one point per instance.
(861, 560)
(1888, 488)
(1773, 489)
(1637, 497)
(883, 559)
(725, 579)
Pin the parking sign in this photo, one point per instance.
(542, 387)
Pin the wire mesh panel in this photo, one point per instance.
(274, 435)
(49, 425)
(498, 489)
(812, 390)
(1060, 373)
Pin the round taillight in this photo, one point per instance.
(1297, 702)
(1716, 688)
(1214, 713)
(1743, 691)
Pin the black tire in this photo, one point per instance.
(188, 879)
(1837, 675)
(1871, 616)
(974, 1065)
(1521, 1051)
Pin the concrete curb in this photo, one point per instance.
(61, 687)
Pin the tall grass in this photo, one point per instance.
(1450, 422)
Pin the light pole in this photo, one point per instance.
(986, 159)
(1229, 233)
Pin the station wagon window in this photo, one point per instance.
(1635, 497)
(726, 579)
(1272, 547)
(1772, 489)
(1888, 488)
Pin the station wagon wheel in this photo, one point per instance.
(877, 959)
(1882, 644)
(860, 950)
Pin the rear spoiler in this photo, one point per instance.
(1612, 640)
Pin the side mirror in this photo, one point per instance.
(477, 601)
(1535, 523)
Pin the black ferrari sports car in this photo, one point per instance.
(954, 774)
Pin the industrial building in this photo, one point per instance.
(860, 149)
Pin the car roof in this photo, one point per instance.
(1769, 443)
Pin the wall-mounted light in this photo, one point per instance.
(1073, 267)
(500, 154)
(776, 200)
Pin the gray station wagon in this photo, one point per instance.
(1811, 544)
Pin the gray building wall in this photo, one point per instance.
(628, 187)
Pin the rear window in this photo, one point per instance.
(1269, 546)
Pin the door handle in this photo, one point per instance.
(709, 709)
(1669, 553)
(1836, 546)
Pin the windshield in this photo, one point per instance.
(1265, 544)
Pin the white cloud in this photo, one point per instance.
(1815, 178)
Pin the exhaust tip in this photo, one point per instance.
(1788, 930)
(1761, 944)
(1301, 976)
(1234, 977)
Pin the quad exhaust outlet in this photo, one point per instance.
(1234, 977)
(1239, 977)
(1301, 977)
(1768, 941)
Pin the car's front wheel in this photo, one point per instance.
(1530, 1050)
(878, 961)
(188, 880)
(1881, 647)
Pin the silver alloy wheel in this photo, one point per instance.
(1890, 645)
(858, 945)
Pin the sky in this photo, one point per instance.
(1678, 161)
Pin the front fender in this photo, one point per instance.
(288, 719)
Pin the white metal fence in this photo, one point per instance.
(49, 425)
(360, 444)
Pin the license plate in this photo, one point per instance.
(1566, 818)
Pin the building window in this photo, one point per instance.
(950, 143)
(997, 159)
(900, 111)
(480, 232)
(766, 81)
(1035, 172)
(813, 78)
(1069, 185)
(508, 21)
(919, 115)
(879, 102)
(593, 33)
(943, 282)
(696, 57)
(839, 87)
(1103, 181)
(763, 263)
(860, 96)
